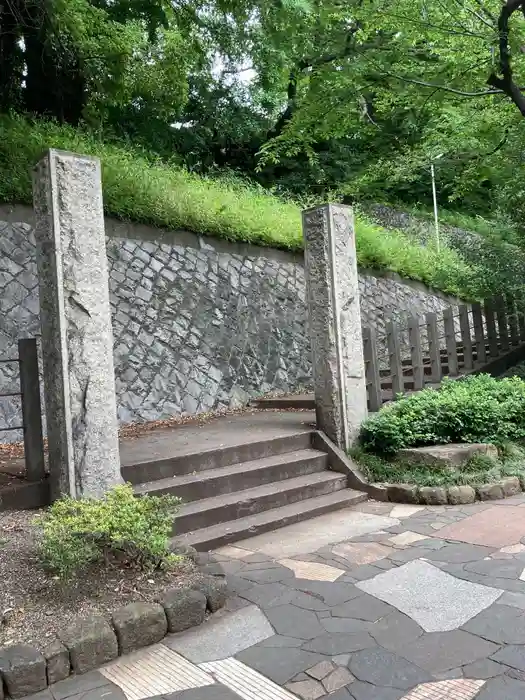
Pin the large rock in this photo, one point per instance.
(184, 608)
(457, 495)
(57, 658)
(138, 625)
(403, 493)
(23, 670)
(490, 492)
(433, 495)
(449, 457)
(91, 643)
(510, 486)
(215, 589)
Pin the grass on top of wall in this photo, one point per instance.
(143, 189)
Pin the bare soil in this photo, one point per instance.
(34, 605)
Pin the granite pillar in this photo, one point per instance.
(77, 339)
(335, 321)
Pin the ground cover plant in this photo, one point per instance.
(479, 470)
(142, 188)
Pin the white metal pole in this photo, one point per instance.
(434, 197)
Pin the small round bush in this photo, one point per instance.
(472, 409)
(118, 528)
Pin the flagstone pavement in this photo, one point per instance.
(381, 602)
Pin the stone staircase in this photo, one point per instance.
(240, 490)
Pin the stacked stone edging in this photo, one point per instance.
(448, 495)
(91, 642)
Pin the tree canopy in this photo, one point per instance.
(306, 96)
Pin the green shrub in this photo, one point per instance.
(473, 409)
(118, 528)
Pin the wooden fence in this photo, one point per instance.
(31, 413)
(424, 350)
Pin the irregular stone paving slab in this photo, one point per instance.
(496, 568)
(223, 636)
(307, 689)
(79, 684)
(208, 692)
(295, 622)
(321, 670)
(154, 671)
(484, 669)
(456, 553)
(460, 689)
(502, 688)
(513, 549)
(403, 510)
(501, 624)
(492, 527)
(515, 600)
(268, 595)
(436, 600)
(361, 553)
(512, 655)
(244, 681)
(382, 668)
(364, 608)
(329, 593)
(406, 538)
(394, 631)
(311, 571)
(334, 644)
(279, 664)
(443, 651)
(311, 535)
(338, 679)
(365, 691)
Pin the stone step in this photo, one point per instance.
(233, 531)
(203, 460)
(296, 401)
(237, 477)
(241, 504)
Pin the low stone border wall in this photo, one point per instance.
(449, 495)
(93, 641)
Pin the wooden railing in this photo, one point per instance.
(31, 415)
(424, 350)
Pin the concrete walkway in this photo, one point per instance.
(383, 602)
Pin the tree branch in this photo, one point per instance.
(445, 88)
(506, 83)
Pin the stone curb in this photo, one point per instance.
(451, 495)
(91, 642)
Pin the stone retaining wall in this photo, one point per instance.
(199, 324)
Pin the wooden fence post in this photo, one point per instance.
(433, 347)
(492, 334)
(31, 409)
(501, 316)
(513, 320)
(450, 340)
(479, 335)
(373, 378)
(394, 352)
(466, 338)
(416, 355)
(520, 312)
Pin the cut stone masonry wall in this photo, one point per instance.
(199, 324)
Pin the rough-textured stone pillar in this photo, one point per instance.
(77, 339)
(335, 321)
